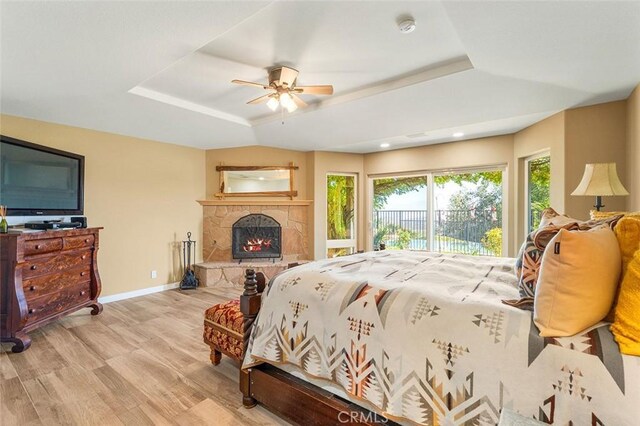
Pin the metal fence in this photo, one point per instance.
(454, 231)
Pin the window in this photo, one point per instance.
(538, 184)
(468, 212)
(341, 214)
(455, 212)
(400, 214)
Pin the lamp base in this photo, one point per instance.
(598, 204)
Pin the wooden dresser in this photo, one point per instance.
(44, 276)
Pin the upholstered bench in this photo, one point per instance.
(224, 327)
(223, 330)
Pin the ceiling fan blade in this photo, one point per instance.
(249, 83)
(315, 90)
(298, 101)
(288, 76)
(263, 98)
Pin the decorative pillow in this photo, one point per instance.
(628, 234)
(527, 268)
(596, 215)
(530, 257)
(550, 217)
(626, 326)
(578, 280)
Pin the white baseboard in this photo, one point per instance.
(136, 293)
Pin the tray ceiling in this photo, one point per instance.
(162, 70)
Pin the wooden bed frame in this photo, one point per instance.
(290, 397)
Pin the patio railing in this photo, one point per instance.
(454, 231)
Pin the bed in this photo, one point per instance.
(424, 338)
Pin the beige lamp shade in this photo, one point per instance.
(600, 179)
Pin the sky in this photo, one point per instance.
(417, 200)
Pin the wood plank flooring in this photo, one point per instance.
(141, 362)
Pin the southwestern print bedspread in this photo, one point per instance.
(425, 337)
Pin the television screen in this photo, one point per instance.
(37, 180)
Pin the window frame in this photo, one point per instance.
(527, 195)
(352, 242)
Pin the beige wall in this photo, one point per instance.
(632, 181)
(326, 163)
(142, 192)
(594, 134)
(256, 156)
(496, 151)
(544, 136)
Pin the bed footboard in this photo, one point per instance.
(249, 306)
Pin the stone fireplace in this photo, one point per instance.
(220, 268)
(256, 236)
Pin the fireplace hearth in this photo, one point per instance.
(256, 236)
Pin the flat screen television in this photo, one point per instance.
(37, 180)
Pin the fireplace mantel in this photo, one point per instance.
(255, 202)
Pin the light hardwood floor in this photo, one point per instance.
(141, 362)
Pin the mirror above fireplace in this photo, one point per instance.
(256, 181)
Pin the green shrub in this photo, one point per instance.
(492, 241)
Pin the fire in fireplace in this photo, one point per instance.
(256, 236)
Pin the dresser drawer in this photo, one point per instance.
(42, 246)
(51, 283)
(52, 264)
(58, 262)
(77, 242)
(52, 304)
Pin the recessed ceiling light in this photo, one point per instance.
(261, 178)
(385, 145)
(458, 134)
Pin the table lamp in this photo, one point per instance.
(600, 179)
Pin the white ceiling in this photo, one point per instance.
(162, 70)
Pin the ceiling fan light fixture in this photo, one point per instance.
(291, 108)
(273, 104)
(282, 83)
(287, 101)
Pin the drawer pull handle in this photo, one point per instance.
(32, 288)
(82, 274)
(82, 293)
(86, 241)
(84, 256)
(38, 246)
(33, 267)
(31, 311)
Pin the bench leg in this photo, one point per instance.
(215, 356)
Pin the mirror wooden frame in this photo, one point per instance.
(290, 193)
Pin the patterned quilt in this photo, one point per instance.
(424, 337)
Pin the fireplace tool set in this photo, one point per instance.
(189, 280)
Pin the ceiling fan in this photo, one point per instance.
(283, 90)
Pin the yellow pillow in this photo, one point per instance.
(577, 282)
(596, 215)
(628, 234)
(626, 327)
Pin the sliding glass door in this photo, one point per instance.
(467, 214)
(453, 212)
(400, 214)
